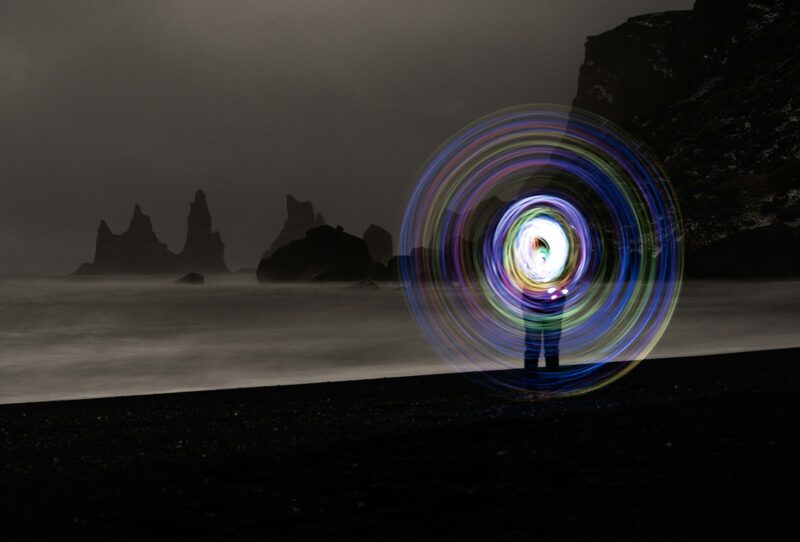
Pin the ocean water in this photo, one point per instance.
(73, 338)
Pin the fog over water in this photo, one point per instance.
(63, 339)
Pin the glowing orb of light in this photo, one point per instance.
(541, 243)
(540, 250)
(534, 206)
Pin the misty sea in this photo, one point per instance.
(77, 338)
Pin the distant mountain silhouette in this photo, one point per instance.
(714, 93)
(138, 250)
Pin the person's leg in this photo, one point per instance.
(551, 338)
(533, 344)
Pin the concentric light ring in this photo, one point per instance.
(527, 205)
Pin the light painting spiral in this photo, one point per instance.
(547, 215)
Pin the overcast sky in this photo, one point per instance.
(107, 104)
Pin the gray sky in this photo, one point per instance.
(107, 104)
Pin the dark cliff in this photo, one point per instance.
(714, 93)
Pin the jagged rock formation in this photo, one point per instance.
(379, 243)
(135, 251)
(713, 92)
(307, 249)
(204, 250)
(138, 250)
(325, 253)
(300, 219)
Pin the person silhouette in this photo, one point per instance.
(543, 329)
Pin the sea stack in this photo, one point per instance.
(379, 243)
(138, 251)
(324, 254)
(204, 250)
(300, 218)
(135, 251)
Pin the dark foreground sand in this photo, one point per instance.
(679, 448)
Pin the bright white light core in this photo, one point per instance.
(541, 249)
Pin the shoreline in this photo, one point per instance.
(705, 444)
(75, 339)
(371, 379)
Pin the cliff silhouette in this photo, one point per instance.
(713, 92)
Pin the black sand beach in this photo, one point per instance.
(677, 449)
